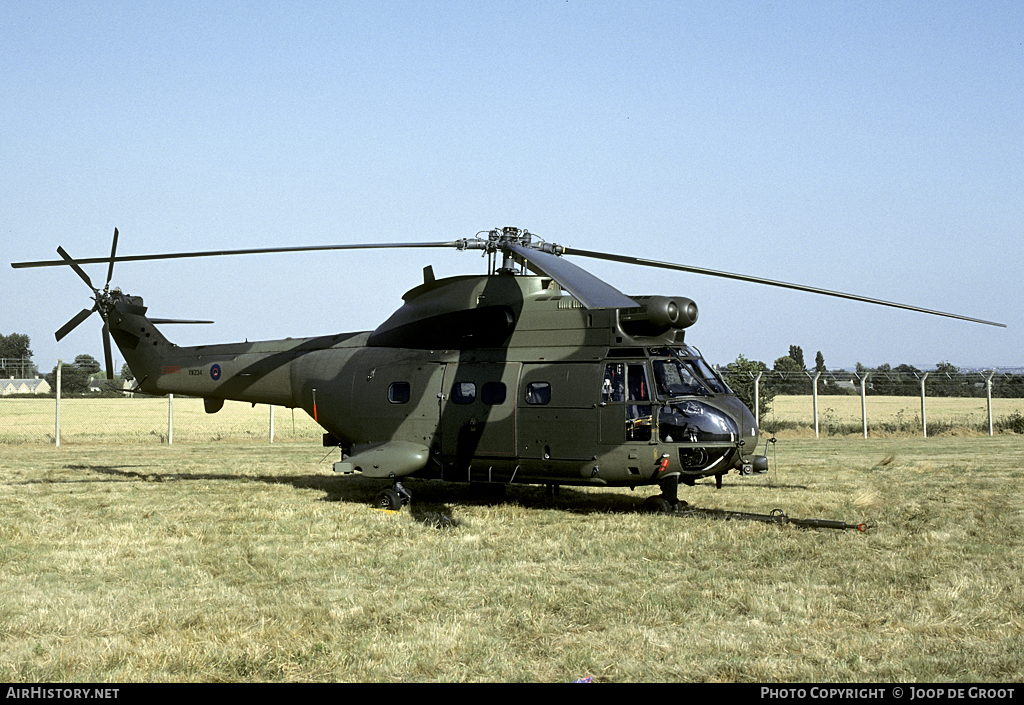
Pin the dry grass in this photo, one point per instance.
(841, 415)
(253, 562)
(145, 420)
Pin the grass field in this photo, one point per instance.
(249, 561)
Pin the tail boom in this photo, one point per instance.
(258, 372)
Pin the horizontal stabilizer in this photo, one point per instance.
(174, 320)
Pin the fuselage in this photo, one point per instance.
(494, 378)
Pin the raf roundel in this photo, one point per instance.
(215, 372)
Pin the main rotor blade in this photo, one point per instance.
(113, 251)
(73, 323)
(770, 282)
(217, 253)
(67, 259)
(584, 286)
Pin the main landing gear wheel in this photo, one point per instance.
(388, 499)
(393, 498)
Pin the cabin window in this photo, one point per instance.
(624, 382)
(538, 393)
(464, 392)
(614, 387)
(399, 392)
(493, 393)
(636, 376)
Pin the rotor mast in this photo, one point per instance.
(507, 240)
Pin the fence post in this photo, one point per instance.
(815, 387)
(863, 402)
(757, 398)
(170, 419)
(988, 391)
(56, 430)
(924, 418)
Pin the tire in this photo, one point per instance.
(656, 504)
(388, 499)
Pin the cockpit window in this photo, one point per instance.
(699, 369)
(674, 378)
(710, 377)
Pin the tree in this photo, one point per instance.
(819, 362)
(740, 375)
(14, 348)
(908, 380)
(787, 364)
(88, 364)
(791, 378)
(947, 382)
(881, 382)
(797, 353)
(72, 380)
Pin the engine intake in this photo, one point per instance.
(658, 314)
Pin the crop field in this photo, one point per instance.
(250, 561)
(841, 415)
(145, 420)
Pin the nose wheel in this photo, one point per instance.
(668, 501)
(393, 498)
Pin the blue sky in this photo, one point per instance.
(875, 148)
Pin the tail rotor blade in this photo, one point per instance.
(74, 265)
(107, 357)
(113, 253)
(74, 322)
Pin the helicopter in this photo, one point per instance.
(536, 372)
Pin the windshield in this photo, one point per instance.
(710, 377)
(689, 376)
(675, 378)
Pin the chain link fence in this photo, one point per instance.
(170, 419)
(887, 401)
(840, 403)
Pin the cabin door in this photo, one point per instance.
(478, 410)
(626, 413)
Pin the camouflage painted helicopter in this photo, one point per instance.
(537, 373)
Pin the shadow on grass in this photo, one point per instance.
(432, 499)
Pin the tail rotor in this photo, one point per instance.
(102, 299)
